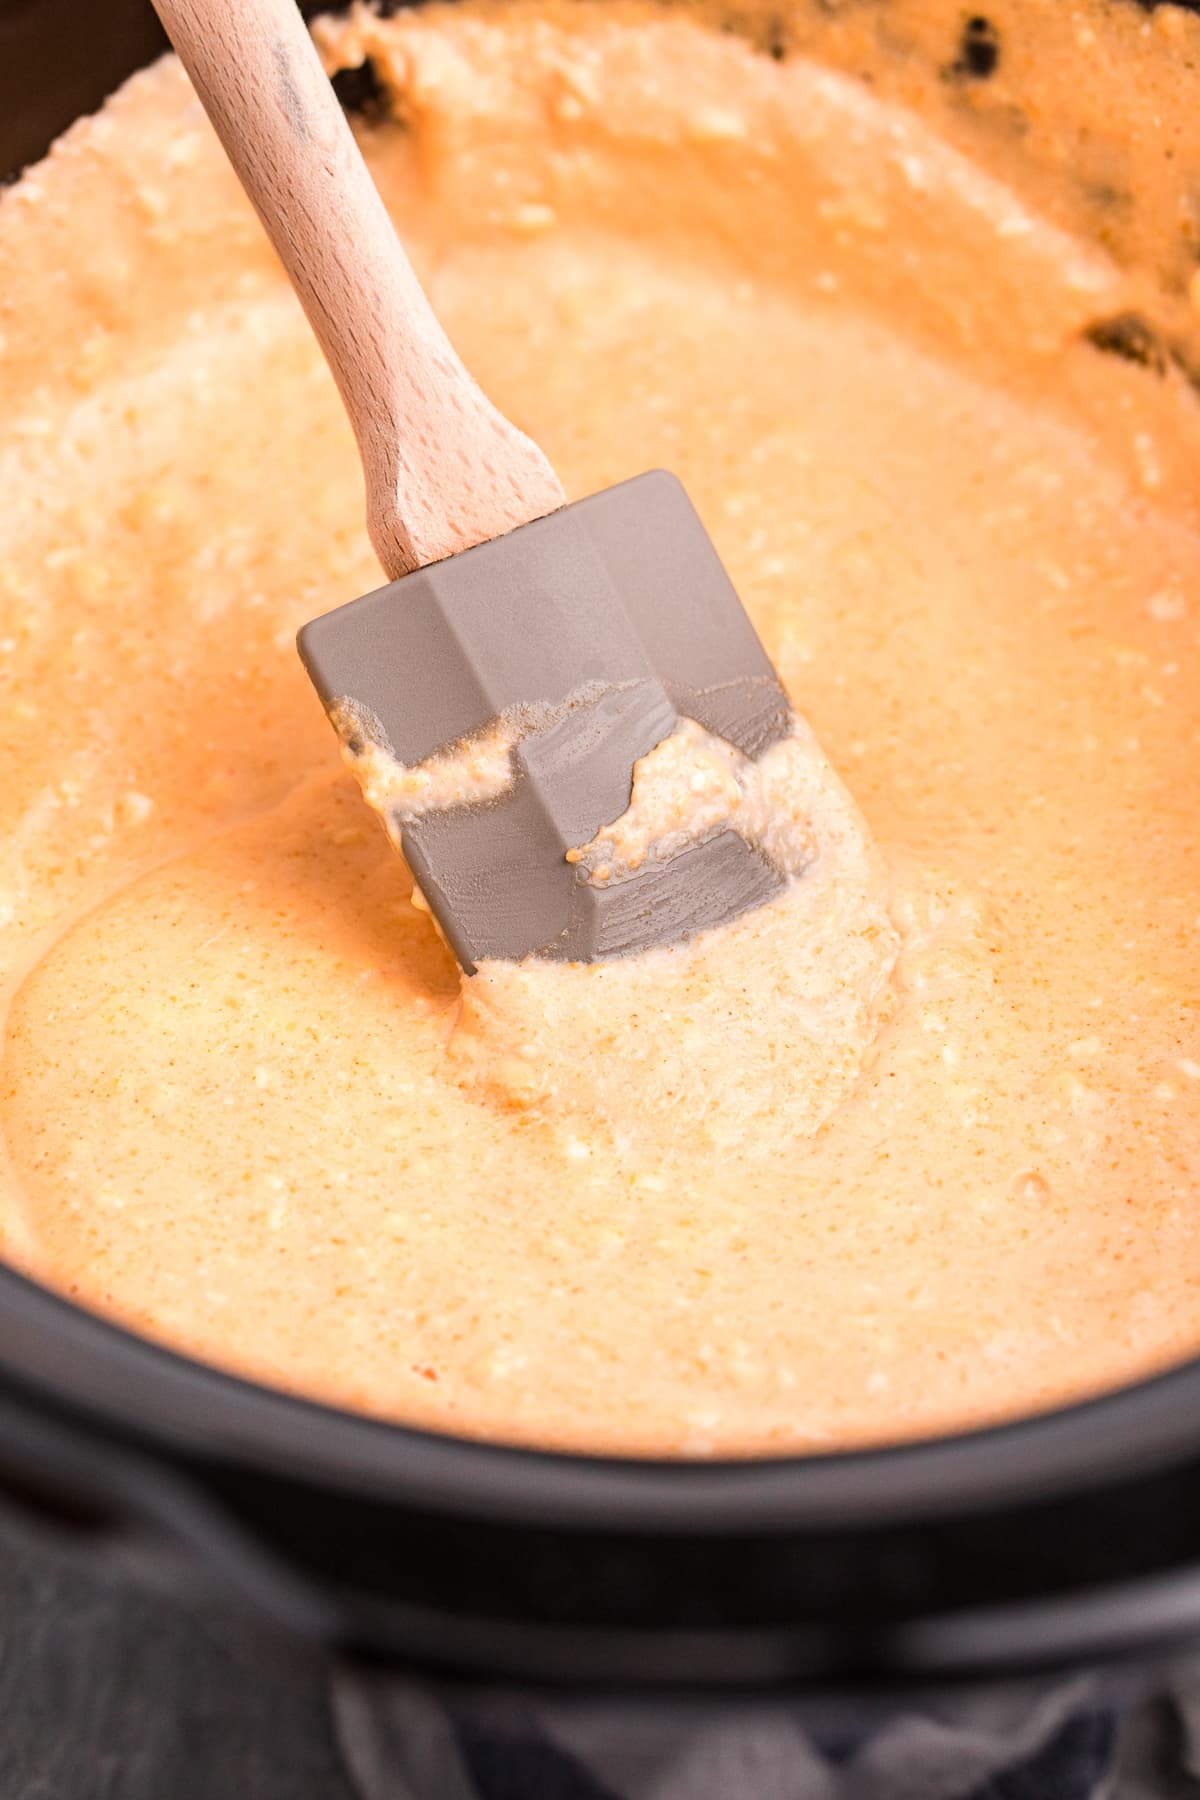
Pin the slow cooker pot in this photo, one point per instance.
(1053, 1539)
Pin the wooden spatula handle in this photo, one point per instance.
(443, 468)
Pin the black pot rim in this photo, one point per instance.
(105, 1378)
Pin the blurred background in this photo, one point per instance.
(60, 58)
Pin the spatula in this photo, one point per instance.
(576, 635)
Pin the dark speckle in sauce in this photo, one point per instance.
(978, 51)
(1131, 336)
(361, 91)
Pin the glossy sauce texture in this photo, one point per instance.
(923, 1153)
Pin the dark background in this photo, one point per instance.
(61, 58)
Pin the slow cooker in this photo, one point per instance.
(1043, 1542)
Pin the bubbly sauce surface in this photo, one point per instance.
(916, 1150)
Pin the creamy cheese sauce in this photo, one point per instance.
(915, 1147)
(468, 773)
(693, 786)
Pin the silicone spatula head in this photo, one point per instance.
(593, 631)
(578, 636)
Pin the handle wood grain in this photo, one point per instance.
(444, 470)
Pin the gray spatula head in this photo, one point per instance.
(601, 626)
